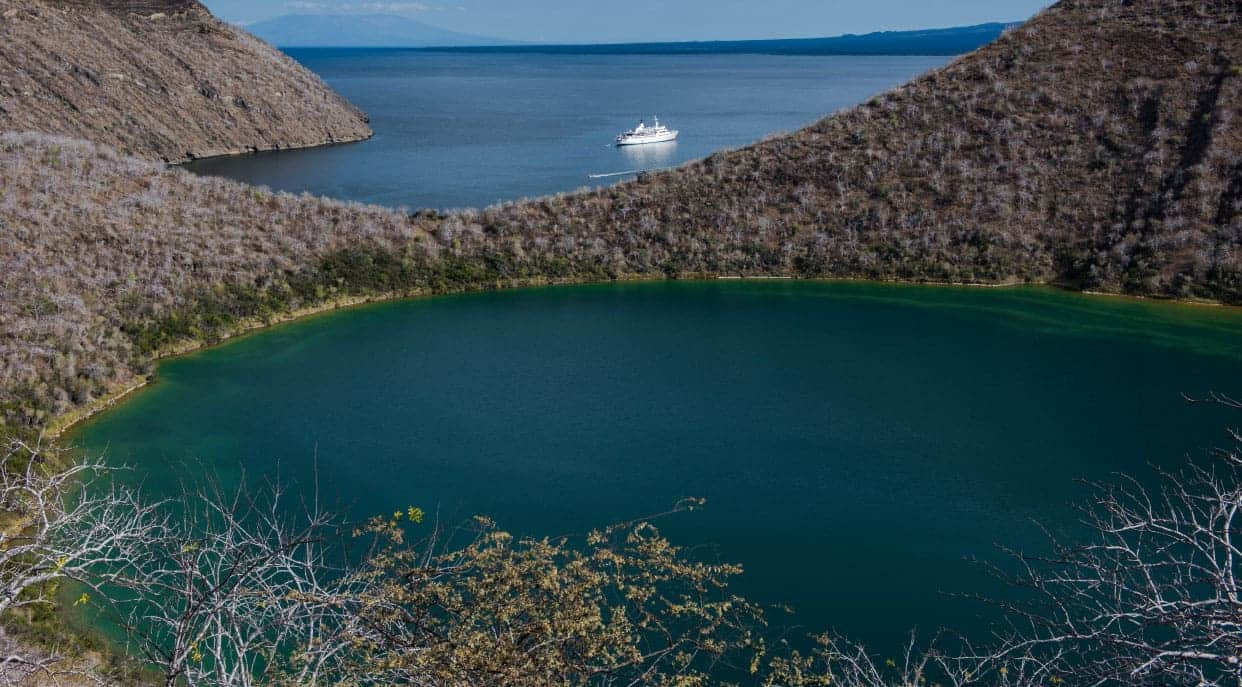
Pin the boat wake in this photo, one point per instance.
(616, 174)
(621, 174)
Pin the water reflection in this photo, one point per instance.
(649, 155)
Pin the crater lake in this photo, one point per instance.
(855, 442)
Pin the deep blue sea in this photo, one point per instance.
(468, 130)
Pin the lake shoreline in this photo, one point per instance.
(58, 426)
(834, 413)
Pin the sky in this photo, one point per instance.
(618, 21)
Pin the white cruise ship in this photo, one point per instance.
(656, 133)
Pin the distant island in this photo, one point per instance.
(949, 41)
(395, 31)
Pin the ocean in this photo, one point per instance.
(468, 130)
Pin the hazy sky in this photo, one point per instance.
(596, 21)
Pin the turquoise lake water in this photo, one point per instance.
(457, 129)
(854, 441)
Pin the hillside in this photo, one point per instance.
(159, 79)
(360, 30)
(1099, 146)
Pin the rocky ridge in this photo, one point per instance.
(159, 79)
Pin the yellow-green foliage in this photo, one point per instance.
(622, 606)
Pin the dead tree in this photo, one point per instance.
(238, 593)
(1154, 597)
(68, 522)
(1151, 597)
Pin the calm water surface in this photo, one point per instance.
(854, 441)
(457, 130)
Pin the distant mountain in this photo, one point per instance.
(390, 30)
(951, 41)
(360, 30)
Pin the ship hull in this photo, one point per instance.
(643, 140)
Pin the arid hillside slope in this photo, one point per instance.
(1099, 146)
(91, 240)
(159, 79)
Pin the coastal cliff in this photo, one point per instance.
(1098, 146)
(159, 79)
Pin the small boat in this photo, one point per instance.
(641, 134)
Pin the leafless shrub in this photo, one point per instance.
(837, 662)
(1150, 598)
(63, 524)
(1153, 598)
(238, 592)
